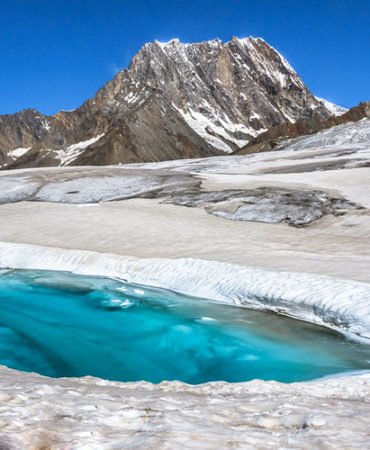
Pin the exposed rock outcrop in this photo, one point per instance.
(297, 208)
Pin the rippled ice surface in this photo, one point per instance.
(59, 324)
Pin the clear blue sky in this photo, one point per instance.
(57, 53)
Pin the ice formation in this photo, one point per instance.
(343, 305)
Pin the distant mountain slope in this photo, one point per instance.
(350, 136)
(175, 100)
(276, 136)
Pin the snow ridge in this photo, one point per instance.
(336, 110)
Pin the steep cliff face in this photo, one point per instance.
(174, 100)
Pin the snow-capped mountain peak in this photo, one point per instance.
(175, 100)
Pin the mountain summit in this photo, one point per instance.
(174, 100)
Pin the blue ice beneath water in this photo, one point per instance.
(59, 324)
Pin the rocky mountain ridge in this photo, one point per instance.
(277, 136)
(174, 101)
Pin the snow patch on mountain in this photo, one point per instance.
(18, 152)
(69, 154)
(216, 135)
(15, 154)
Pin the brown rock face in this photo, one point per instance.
(174, 101)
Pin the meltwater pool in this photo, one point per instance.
(63, 325)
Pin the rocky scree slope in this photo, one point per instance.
(174, 101)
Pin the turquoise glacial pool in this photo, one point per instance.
(59, 324)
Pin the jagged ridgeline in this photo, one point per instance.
(174, 100)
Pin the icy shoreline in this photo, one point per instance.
(343, 305)
(90, 414)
